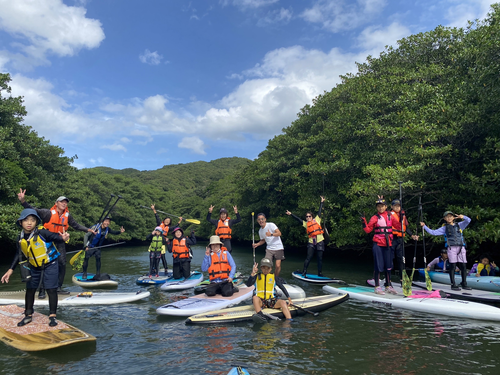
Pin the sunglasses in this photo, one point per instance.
(308, 216)
(261, 219)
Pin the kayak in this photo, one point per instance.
(181, 284)
(153, 280)
(76, 299)
(238, 371)
(442, 306)
(90, 283)
(489, 283)
(315, 279)
(469, 295)
(37, 335)
(201, 303)
(245, 313)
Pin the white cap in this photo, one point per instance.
(62, 198)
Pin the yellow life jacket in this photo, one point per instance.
(37, 251)
(264, 286)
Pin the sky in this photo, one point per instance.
(143, 84)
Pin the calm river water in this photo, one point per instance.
(350, 338)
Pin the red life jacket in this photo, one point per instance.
(313, 228)
(55, 223)
(223, 230)
(398, 232)
(219, 268)
(179, 248)
(383, 230)
(165, 229)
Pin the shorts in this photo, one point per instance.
(456, 254)
(275, 254)
(382, 258)
(269, 303)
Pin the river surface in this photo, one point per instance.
(352, 338)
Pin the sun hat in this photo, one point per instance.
(27, 212)
(215, 240)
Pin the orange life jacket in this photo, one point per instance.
(398, 232)
(313, 228)
(219, 267)
(179, 248)
(223, 230)
(165, 229)
(57, 222)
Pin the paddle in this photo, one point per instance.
(192, 221)
(428, 282)
(105, 208)
(305, 310)
(106, 214)
(253, 237)
(406, 280)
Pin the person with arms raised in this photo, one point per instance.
(165, 225)
(224, 225)
(271, 236)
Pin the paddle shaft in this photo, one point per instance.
(105, 208)
(97, 247)
(253, 237)
(98, 225)
(305, 310)
(194, 221)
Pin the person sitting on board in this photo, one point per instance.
(271, 236)
(55, 220)
(37, 257)
(485, 267)
(165, 225)
(180, 247)
(224, 225)
(441, 263)
(399, 231)
(158, 241)
(381, 224)
(221, 268)
(316, 243)
(97, 240)
(455, 244)
(264, 294)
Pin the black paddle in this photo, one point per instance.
(305, 310)
(105, 208)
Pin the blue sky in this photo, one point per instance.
(143, 84)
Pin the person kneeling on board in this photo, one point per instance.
(181, 253)
(264, 294)
(37, 257)
(97, 241)
(157, 242)
(221, 269)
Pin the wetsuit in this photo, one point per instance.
(96, 241)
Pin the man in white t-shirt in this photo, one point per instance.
(270, 234)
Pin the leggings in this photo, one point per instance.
(319, 250)
(29, 300)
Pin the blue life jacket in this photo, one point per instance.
(442, 263)
(99, 237)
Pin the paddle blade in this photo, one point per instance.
(193, 221)
(406, 284)
(428, 282)
(77, 261)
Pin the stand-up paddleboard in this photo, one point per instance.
(153, 280)
(489, 283)
(181, 284)
(315, 279)
(201, 287)
(238, 371)
(76, 299)
(294, 291)
(245, 313)
(474, 295)
(397, 287)
(90, 283)
(37, 335)
(202, 303)
(442, 306)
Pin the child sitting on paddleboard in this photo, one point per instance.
(157, 242)
(455, 243)
(264, 295)
(381, 224)
(485, 267)
(180, 247)
(37, 257)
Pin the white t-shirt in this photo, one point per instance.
(272, 243)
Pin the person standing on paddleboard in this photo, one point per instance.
(271, 236)
(165, 225)
(224, 225)
(455, 244)
(96, 241)
(180, 247)
(399, 230)
(56, 220)
(381, 224)
(37, 257)
(221, 268)
(316, 243)
(158, 243)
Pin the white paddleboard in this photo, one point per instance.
(181, 284)
(153, 280)
(475, 295)
(441, 306)
(89, 283)
(202, 303)
(294, 291)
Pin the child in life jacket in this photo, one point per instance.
(37, 256)
(441, 263)
(165, 225)
(381, 224)
(180, 247)
(455, 244)
(485, 267)
(157, 242)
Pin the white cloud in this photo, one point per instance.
(340, 15)
(115, 147)
(460, 12)
(278, 16)
(125, 140)
(151, 58)
(376, 37)
(46, 26)
(245, 4)
(194, 144)
(162, 151)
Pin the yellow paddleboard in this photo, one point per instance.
(37, 335)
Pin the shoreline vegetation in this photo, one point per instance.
(425, 112)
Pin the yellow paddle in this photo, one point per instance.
(192, 221)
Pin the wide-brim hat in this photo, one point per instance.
(266, 262)
(27, 212)
(215, 240)
(62, 198)
(446, 213)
